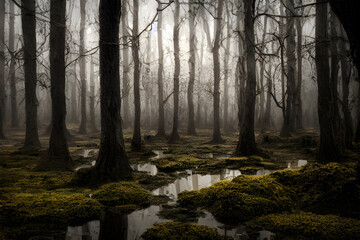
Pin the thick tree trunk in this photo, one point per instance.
(174, 134)
(161, 120)
(2, 68)
(217, 78)
(289, 120)
(92, 97)
(59, 157)
(227, 126)
(246, 144)
(31, 103)
(82, 63)
(345, 77)
(73, 107)
(329, 149)
(126, 66)
(298, 109)
(112, 163)
(357, 133)
(192, 64)
(13, 90)
(335, 59)
(136, 140)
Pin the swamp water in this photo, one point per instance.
(132, 226)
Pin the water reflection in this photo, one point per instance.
(297, 163)
(194, 182)
(147, 167)
(159, 154)
(89, 230)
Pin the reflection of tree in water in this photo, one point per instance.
(114, 226)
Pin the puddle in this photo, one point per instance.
(159, 154)
(147, 167)
(194, 182)
(132, 226)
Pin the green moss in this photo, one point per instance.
(122, 193)
(181, 231)
(60, 207)
(240, 199)
(324, 188)
(307, 226)
(179, 163)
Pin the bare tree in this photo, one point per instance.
(112, 163)
(82, 63)
(92, 96)
(247, 144)
(329, 149)
(136, 140)
(31, 103)
(2, 68)
(192, 63)
(13, 89)
(58, 155)
(217, 78)
(174, 134)
(161, 120)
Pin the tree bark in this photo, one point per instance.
(82, 63)
(58, 155)
(126, 66)
(174, 134)
(161, 120)
(217, 78)
(357, 133)
(31, 103)
(13, 89)
(227, 126)
(246, 144)
(298, 109)
(192, 64)
(92, 97)
(136, 140)
(329, 149)
(345, 77)
(112, 163)
(73, 107)
(2, 68)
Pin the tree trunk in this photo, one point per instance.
(126, 68)
(73, 107)
(175, 135)
(2, 68)
(112, 163)
(161, 120)
(136, 140)
(227, 126)
(13, 90)
(92, 97)
(59, 157)
(357, 133)
(288, 124)
(31, 103)
(82, 63)
(345, 76)
(217, 78)
(246, 144)
(298, 109)
(329, 149)
(192, 64)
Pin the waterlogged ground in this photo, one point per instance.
(166, 170)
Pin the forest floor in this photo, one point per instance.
(34, 203)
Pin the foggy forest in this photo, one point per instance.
(179, 119)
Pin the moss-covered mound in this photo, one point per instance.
(51, 207)
(324, 188)
(122, 193)
(240, 199)
(179, 163)
(181, 231)
(307, 226)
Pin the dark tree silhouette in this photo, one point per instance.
(112, 163)
(58, 155)
(247, 144)
(2, 68)
(31, 103)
